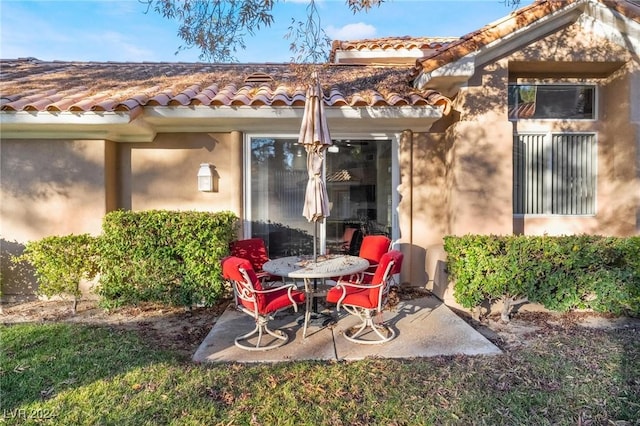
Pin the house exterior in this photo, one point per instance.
(530, 125)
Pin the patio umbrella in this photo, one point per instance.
(314, 135)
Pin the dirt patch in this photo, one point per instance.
(527, 327)
(175, 328)
(182, 330)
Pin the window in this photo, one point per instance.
(554, 173)
(359, 186)
(553, 101)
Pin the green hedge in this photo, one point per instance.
(171, 257)
(561, 273)
(60, 263)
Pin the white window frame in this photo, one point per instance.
(395, 177)
(596, 95)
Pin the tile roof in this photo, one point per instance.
(390, 44)
(38, 86)
(519, 19)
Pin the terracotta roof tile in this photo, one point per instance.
(389, 43)
(87, 103)
(184, 98)
(106, 105)
(128, 105)
(630, 9)
(519, 19)
(396, 99)
(20, 102)
(10, 98)
(107, 86)
(161, 99)
(65, 102)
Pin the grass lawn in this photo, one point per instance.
(73, 374)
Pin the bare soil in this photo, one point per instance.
(182, 330)
(174, 328)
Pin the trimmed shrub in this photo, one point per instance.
(170, 257)
(60, 263)
(561, 273)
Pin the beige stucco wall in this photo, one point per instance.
(618, 198)
(479, 168)
(47, 187)
(479, 144)
(162, 174)
(423, 200)
(54, 187)
(481, 159)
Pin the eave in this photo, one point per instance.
(437, 73)
(121, 127)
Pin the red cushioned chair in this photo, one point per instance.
(255, 251)
(365, 299)
(372, 249)
(260, 303)
(343, 245)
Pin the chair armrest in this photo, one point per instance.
(343, 285)
(276, 288)
(289, 287)
(357, 284)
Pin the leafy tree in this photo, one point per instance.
(219, 27)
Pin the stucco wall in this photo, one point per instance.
(162, 174)
(617, 133)
(47, 187)
(479, 160)
(423, 200)
(54, 187)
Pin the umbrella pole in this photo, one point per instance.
(315, 259)
(315, 238)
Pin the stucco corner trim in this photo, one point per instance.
(450, 77)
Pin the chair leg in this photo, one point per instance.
(260, 329)
(384, 333)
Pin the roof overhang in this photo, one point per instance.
(397, 56)
(121, 125)
(143, 127)
(604, 21)
(448, 78)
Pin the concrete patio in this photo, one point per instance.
(424, 327)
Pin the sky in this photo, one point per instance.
(121, 31)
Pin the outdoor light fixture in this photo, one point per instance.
(299, 161)
(207, 178)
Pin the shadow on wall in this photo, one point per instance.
(73, 164)
(169, 162)
(441, 286)
(17, 280)
(427, 267)
(414, 266)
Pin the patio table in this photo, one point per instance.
(310, 270)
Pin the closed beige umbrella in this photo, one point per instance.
(314, 135)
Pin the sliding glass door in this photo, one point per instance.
(359, 185)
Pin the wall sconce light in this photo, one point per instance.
(207, 178)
